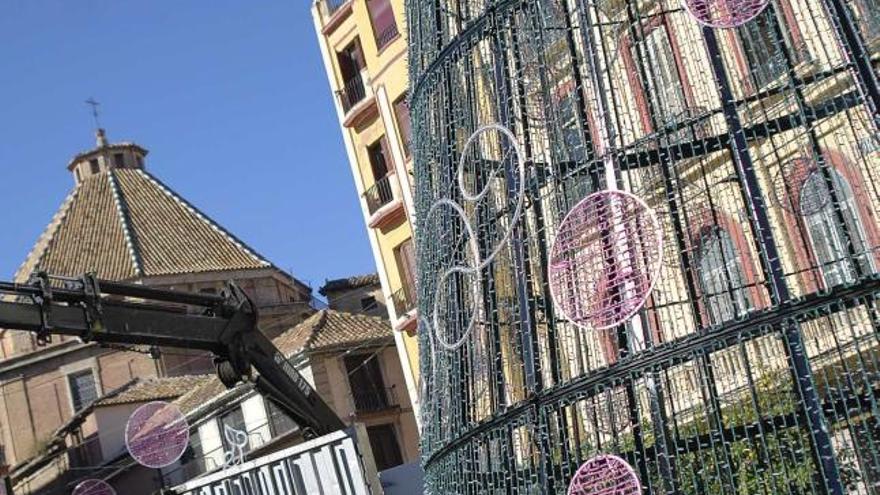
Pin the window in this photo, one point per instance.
(383, 442)
(119, 160)
(83, 390)
(279, 422)
(401, 110)
(827, 235)
(351, 64)
(378, 162)
(721, 277)
(193, 458)
(663, 86)
(867, 13)
(351, 60)
(406, 263)
(93, 164)
(570, 126)
(78, 176)
(365, 378)
(368, 303)
(381, 193)
(384, 25)
(234, 419)
(764, 51)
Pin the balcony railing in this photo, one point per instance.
(353, 92)
(403, 301)
(387, 36)
(379, 195)
(367, 401)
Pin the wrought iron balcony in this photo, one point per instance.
(387, 36)
(404, 301)
(353, 92)
(375, 400)
(379, 195)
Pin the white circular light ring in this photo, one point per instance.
(429, 372)
(466, 270)
(521, 190)
(478, 263)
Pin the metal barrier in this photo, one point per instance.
(330, 465)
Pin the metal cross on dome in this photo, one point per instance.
(94, 104)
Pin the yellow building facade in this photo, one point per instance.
(363, 45)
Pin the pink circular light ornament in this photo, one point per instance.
(724, 13)
(157, 434)
(605, 260)
(94, 487)
(605, 475)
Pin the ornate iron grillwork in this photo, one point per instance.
(754, 366)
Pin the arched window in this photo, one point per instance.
(722, 277)
(827, 236)
(663, 95)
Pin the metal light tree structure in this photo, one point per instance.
(748, 130)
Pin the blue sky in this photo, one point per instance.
(230, 97)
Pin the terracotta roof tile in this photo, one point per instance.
(352, 282)
(330, 329)
(124, 224)
(90, 237)
(172, 236)
(168, 388)
(203, 393)
(325, 330)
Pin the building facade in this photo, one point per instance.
(349, 359)
(360, 294)
(121, 223)
(749, 130)
(363, 45)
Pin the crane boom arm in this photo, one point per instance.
(117, 313)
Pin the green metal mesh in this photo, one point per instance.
(753, 366)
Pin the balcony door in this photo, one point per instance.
(379, 165)
(351, 60)
(385, 447)
(365, 380)
(351, 64)
(378, 160)
(406, 264)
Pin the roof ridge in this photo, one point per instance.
(206, 219)
(317, 327)
(127, 226)
(47, 235)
